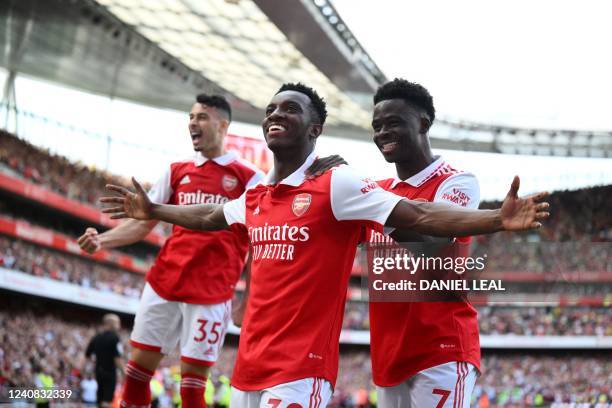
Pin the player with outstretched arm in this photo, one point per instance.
(304, 234)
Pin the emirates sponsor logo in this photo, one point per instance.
(301, 203)
(283, 232)
(229, 182)
(276, 242)
(199, 197)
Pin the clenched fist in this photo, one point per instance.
(89, 241)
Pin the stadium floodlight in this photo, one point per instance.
(235, 45)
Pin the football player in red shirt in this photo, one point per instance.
(304, 234)
(187, 298)
(424, 354)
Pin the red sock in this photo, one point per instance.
(192, 390)
(136, 391)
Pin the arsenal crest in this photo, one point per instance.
(301, 202)
(229, 182)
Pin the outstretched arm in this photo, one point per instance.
(206, 217)
(445, 220)
(126, 233)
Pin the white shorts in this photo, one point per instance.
(160, 324)
(447, 385)
(304, 393)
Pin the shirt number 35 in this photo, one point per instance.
(203, 335)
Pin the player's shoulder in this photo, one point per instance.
(453, 175)
(246, 166)
(386, 183)
(345, 170)
(349, 176)
(181, 162)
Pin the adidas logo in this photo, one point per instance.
(209, 352)
(256, 211)
(185, 180)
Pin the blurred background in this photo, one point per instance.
(98, 91)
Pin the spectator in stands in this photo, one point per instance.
(38, 261)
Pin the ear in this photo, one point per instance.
(223, 125)
(315, 130)
(425, 124)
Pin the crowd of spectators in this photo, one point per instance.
(546, 321)
(75, 181)
(31, 343)
(39, 261)
(518, 320)
(539, 380)
(576, 215)
(507, 255)
(56, 346)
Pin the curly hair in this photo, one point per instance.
(317, 104)
(411, 92)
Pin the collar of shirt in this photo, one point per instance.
(294, 179)
(222, 160)
(422, 176)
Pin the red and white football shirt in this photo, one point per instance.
(304, 235)
(194, 266)
(408, 337)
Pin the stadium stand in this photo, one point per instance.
(38, 240)
(35, 260)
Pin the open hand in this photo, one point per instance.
(321, 165)
(519, 214)
(130, 205)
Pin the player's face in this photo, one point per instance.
(397, 130)
(288, 122)
(206, 127)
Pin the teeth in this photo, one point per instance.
(276, 127)
(388, 146)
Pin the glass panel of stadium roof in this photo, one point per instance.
(235, 45)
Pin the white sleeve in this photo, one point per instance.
(460, 189)
(235, 210)
(357, 198)
(162, 190)
(257, 177)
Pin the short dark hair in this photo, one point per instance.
(216, 101)
(411, 92)
(317, 104)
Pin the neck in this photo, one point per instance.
(213, 153)
(408, 168)
(288, 161)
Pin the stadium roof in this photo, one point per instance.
(162, 52)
